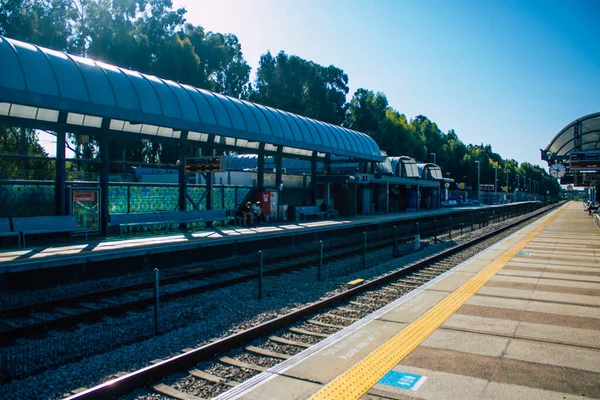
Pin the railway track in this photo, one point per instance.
(212, 369)
(38, 319)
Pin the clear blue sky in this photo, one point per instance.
(506, 73)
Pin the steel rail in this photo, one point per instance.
(153, 373)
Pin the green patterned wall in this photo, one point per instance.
(153, 198)
(196, 194)
(117, 199)
(18, 200)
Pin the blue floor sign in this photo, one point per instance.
(403, 380)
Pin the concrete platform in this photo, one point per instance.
(99, 249)
(519, 321)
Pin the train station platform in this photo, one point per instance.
(101, 249)
(520, 320)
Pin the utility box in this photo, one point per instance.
(269, 202)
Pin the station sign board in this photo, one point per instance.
(205, 164)
(585, 160)
(591, 178)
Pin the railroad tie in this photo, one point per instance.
(350, 320)
(308, 333)
(281, 340)
(401, 285)
(267, 353)
(212, 378)
(241, 364)
(314, 322)
(357, 303)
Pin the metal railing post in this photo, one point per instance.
(320, 270)
(395, 251)
(417, 242)
(260, 274)
(364, 255)
(156, 301)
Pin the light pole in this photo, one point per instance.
(433, 154)
(507, 183)
(478, 165)
(495, 179)
(529, 187)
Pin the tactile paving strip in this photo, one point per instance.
(356, 381)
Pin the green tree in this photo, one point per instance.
(302, 87)
(43, 22)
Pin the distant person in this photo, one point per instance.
(331, 212)
(257, 212)
(428, 203)
(324, 205)
(246, 211)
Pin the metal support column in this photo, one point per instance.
(182, 177)
(209, 189)
(313, 181)
(278, 172)
(260, 175)
(104, 147)
(61, 186)
(387, 197)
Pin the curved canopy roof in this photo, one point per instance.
(583, 134)
(430, 171)
(37, 83)
(404, 166)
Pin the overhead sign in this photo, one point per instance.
(585, 160)
(591, 178)
(205, 164)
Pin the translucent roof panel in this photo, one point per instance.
(234, 113)
(563, 144)
(125, 93)
(36, 67)
(168, 102)
(263, 125)
(249, 117)
(404, 167)
(430, 171)
(41, 78)
(69, 78)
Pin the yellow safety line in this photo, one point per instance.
(362, 376)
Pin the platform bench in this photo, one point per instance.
(5, 230)
(53, 224)
(179, 217)
(215, 216)
(305, 211)
(132, 220)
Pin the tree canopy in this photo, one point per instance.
(151, 36)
